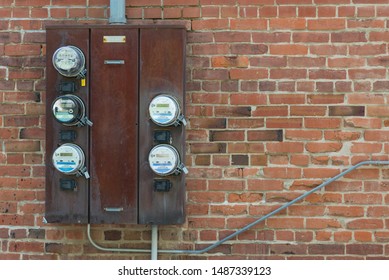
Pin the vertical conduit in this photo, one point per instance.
(117, 12)
(154, 242)
(216, 244)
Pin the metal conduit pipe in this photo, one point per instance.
(117, 12)
(154, 242)
(286, 205)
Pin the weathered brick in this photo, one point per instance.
(230, 135)
(265, 135)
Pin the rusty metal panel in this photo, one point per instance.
(114, 135)
(64, 206)
(162, 70)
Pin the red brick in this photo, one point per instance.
(228, 210)
(326, 249)
(308, 62)
(368, 49)
(264, 135)
(201, 148)
(287, 23)
(248, 74)
(248, 24)
(288, 74)
(230, 61)
(275, 111)
(210, 24)
(323, 123)
(328, 50)
(172, 12)
(237, 111)
(287, 98)
(348, 37)
(363, 174)
(245, 123)
(366, 198)
(326, 24)
(378, 211)
(308, 110)
(289, 49)
(303, 134)
(342, 236)
(244, 197)
(346, 211)
(294, 2)
(288, 223)
(287, 147)
(310, 37)
(378, 111)
(367, 73)
(346, 110)
(312, 172)
(326, 98)
(366, 148)
(342, 135)
(245, 49)
(206, 197)
(327, 74)
(317, 223)
(227, 36)
(214, 74)
(229, 135)
(323, 147)
(370, 1)
(364, 249)
(346, 11)
(284, 122)
(258, 160)
(346, 62)
(245, 147)
(22, 146)
(282, 172)
(306, 210)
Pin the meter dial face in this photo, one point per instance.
(164, 110)
(69, 61)
(164, 159)
(68, 109)
(68, 158)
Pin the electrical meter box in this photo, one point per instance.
(115, 124)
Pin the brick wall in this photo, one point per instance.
(281, 94)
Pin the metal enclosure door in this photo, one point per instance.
(65, 206)
(114, 134)
(162, 70)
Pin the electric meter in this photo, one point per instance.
(69, 61)
(165, 160)
(164, 110)
(69, 159)
(70, 110)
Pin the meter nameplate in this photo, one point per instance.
(164, 110)
(114, 39)
(164, 159)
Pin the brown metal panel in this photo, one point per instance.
(162, 70)
(114, 112)
(64, 206)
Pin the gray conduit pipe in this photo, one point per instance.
(154, 242)
(202, 251)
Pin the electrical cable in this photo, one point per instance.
(247, 227)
